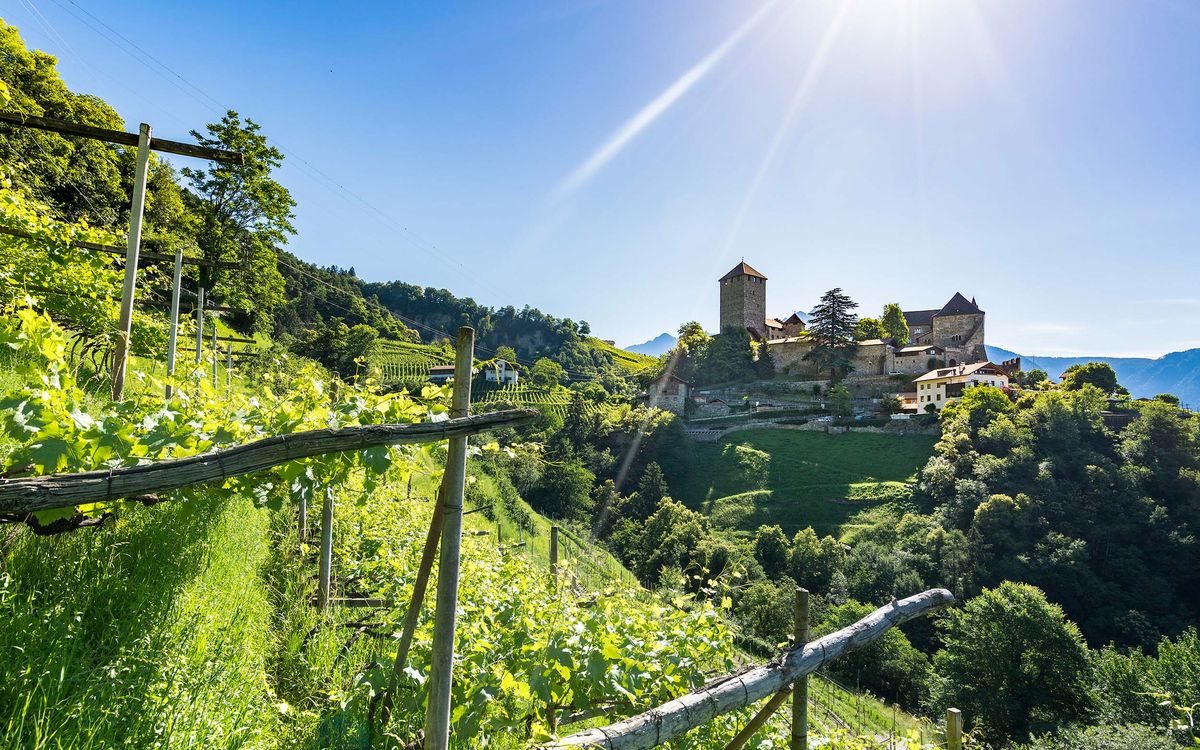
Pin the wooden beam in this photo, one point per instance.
(114, 250)
(27, 495)
(120, 137)
(671, 719)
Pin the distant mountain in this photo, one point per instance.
(1177, 372)
(660, 344)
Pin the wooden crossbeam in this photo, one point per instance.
(32, 494)
(671, 719)
(119, 136)
(114, 250)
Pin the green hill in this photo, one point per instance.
(798, 479)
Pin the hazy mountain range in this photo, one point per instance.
(1177, 372)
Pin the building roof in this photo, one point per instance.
(919, 349)
(742, 269)
(960, 371)
(919, 317)
(872, 342)
(773, 323)
(958, 305)
(440, 369)
(794, 319)
(665, 377)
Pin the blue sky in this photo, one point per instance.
(608, 160)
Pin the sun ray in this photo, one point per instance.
(656, 107)
(803, 90)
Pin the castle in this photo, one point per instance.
(949, 336)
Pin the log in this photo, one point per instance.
(730, 693)
(28, 495)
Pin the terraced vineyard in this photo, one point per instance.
(407, 364)
(631, 362)
(554, 400)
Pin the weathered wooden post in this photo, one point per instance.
(303, 520)
(441, 674)
(554, 552)
(133, 248)
(499, 535)
(326, 550)
(176, 279)
(800, 693)
(199, 324)
(228, 369)
(216, 355)
(953, 729)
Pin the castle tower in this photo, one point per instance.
(958, 328)
(744, 300)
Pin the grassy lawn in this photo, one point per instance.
(798, 479)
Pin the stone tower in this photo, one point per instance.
(958, 328)
(744, 300)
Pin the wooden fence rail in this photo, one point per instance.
(27, 495)
(730, 693)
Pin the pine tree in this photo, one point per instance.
(831, 328)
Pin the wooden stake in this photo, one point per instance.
(326, 550)
(414, 606)
(175, 291)
(228, 369)
(129, 287)
(303, 520)
(800, 694)
(756, 722)
(215, 355)
(554, 552)
(441, 675)
(199, 324)
(953, 729)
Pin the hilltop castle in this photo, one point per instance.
(949, 336)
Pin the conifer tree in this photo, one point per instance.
(831, 328)
(895, 326)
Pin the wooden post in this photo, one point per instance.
(175, 291)
(303, 520)
(441, 675)
(216, 353)
(326, 550)
(499, 535)
(228, 368)
(756, 722)
(414, 605)
(554, 552)
(800, 693)
(953, 729)
(129, 287)
(199, 324)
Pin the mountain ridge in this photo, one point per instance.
(1145, 377)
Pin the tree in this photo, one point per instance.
(546, 373)
(651, 491)
(868, 328)
(506, 353)
(841, 403)
(815, 560)
(1099, 374)
(895, 325)
(772, 551)
(245, 215)
(564, 491)
(831, 329)
(1013, 663)
(730, 357)
(890, 667)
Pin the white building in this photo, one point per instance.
(502, 372)
(939, 387)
